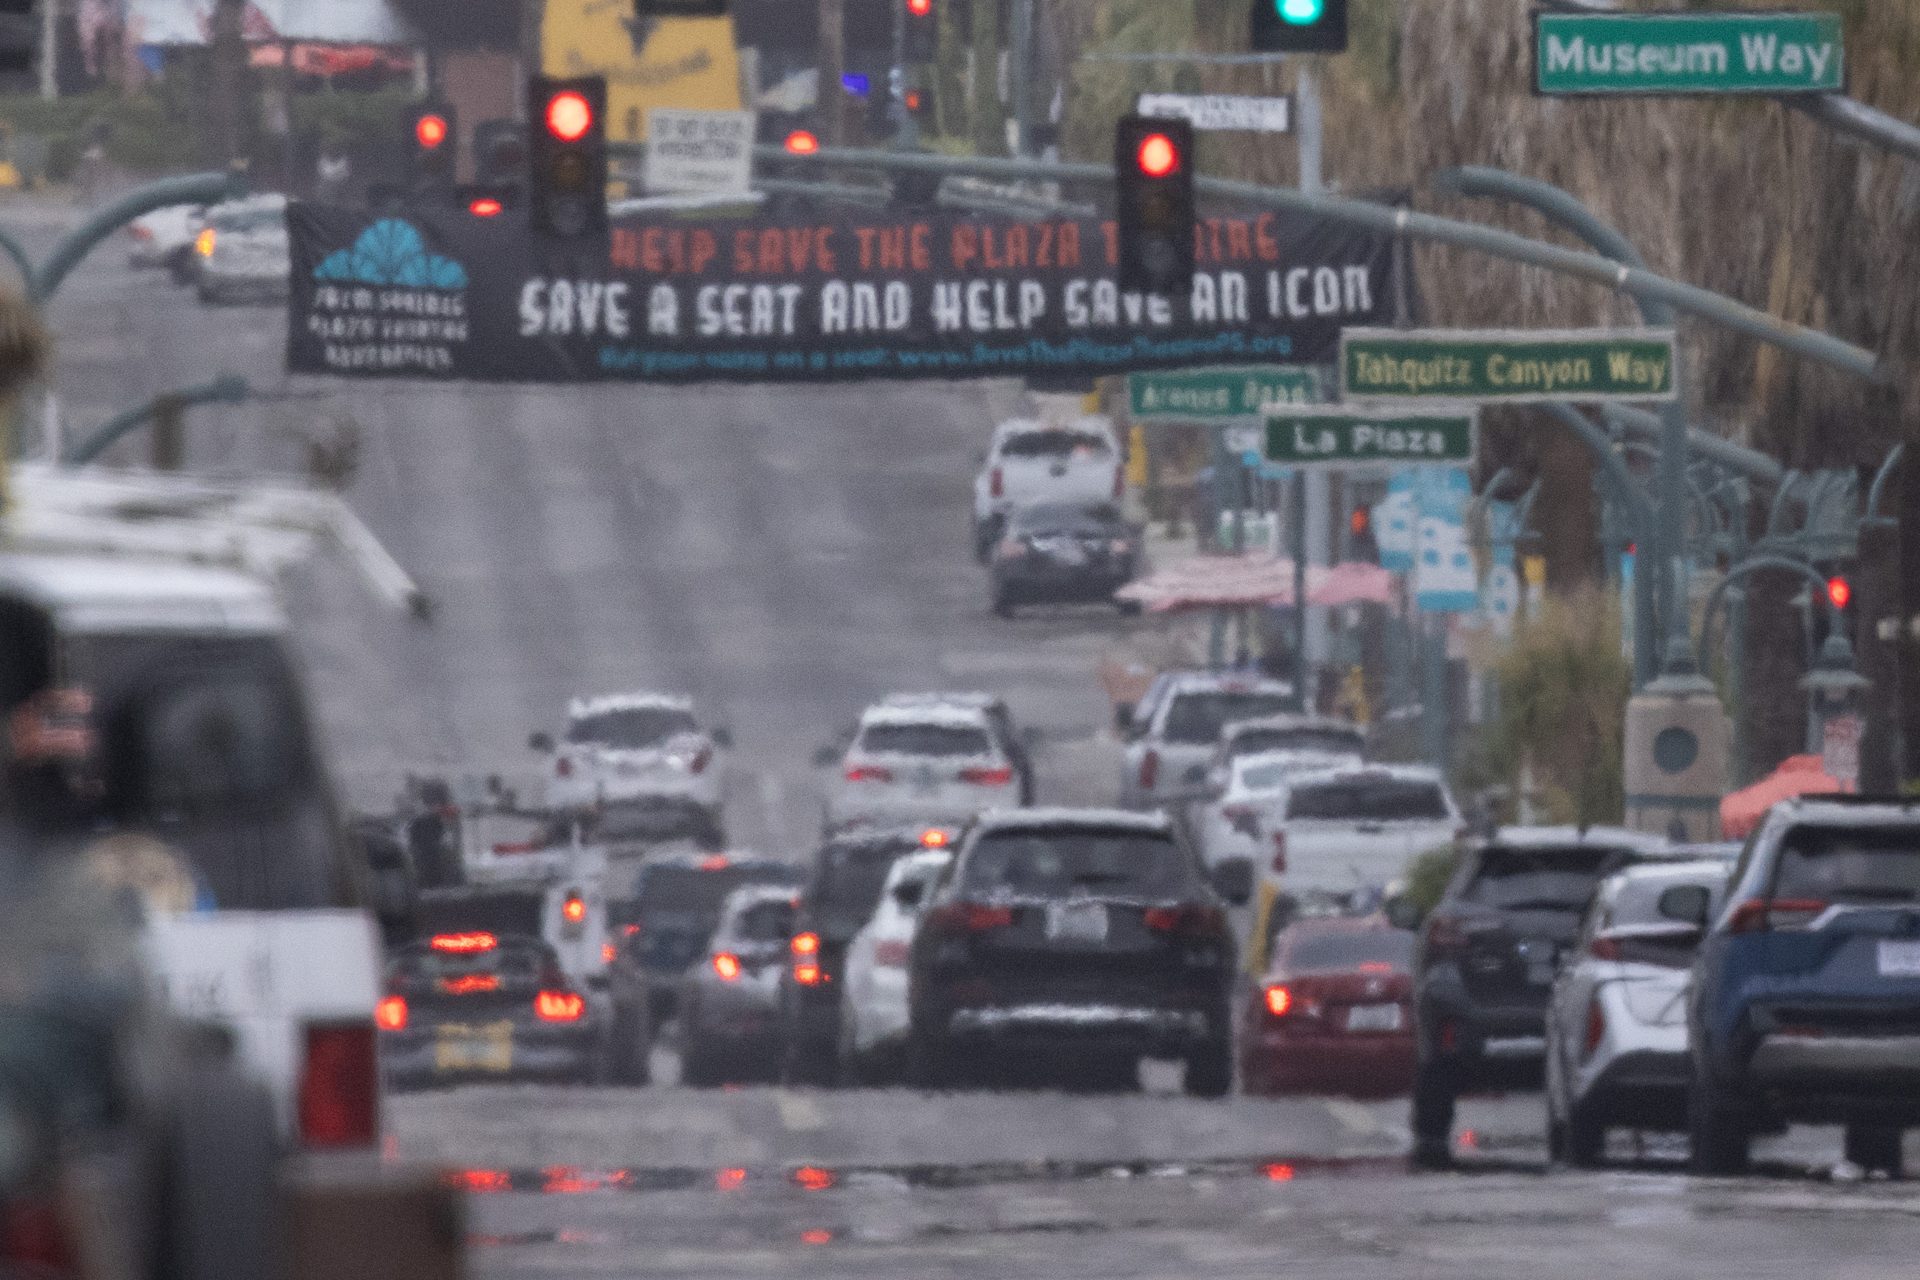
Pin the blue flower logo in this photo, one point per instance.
(391, 252)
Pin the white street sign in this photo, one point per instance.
(706, 151)
(1221, 111)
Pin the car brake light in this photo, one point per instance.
(997, 484)
(391, 1013)
(1375, 966)
(1605, 948)
(204, 242)
(35, 1240)
(631, 930)
(713, 862)
(1279, 1001)
(1183, 920)
(462, 944)
(974, 917)
(466, 984)
(563, 767)
(1279, 863)
(807, 973)
(574, 909)
(607, 952)
(987, 777)
(727, 965)
(1242, 818)
(1757, 915)
(1149, 769)
(806, 944)
(559, 1006)
(339, 1104)
(1596, 1026)
(869, 773)
(934, 838)
(701, 760)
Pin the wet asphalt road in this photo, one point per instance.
(784, 555)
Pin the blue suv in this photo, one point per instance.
(1806, 991)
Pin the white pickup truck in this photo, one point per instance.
(156, 725)
(1344, 829)
(1033, 460)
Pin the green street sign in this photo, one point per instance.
(1508, 366)
(1341, 436)
(1239, 391)
(1660, 53)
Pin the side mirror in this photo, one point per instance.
(722, 738)
(825, 757)
(541, 742)
(1233, 880)
(908, 894)
(1403, 912)
(1123, 718)
(1686, 904)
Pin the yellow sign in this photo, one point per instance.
(647, 62)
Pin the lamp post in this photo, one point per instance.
(1835, 723)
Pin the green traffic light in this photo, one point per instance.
(1301, 13)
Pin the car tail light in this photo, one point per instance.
(467, 984)
(1605, 948)
(563, 767)
(701, 760)
(1596, 1027)
(204, 242)
(1279, 1000)
(1376, 966)
(35, 1240)
(607, 952)
(806, 944)
(1183, 919)
(339, 1101)
(1279, 863)
(891, 954)
(1119, 483)
(869, 773)
(1453, 933)
(574, 909)
(999, 777)
(934, 838)
(1243, 819)
(464, 944)
(714, 862)
(1149, 769)
(997, 484)
(727, 965)
(973, 917)
(807, 973)
(559, 1006)
(1758, 915)
(391, 1013)
(631, 930)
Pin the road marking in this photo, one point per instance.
(799, 1113)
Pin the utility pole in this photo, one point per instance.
(1021, 74)
(989, 123)
(227, 44)
(830, 99)
(49, 49)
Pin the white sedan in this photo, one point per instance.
(923, 764)
(1229, 825)
(633, 746)
(873, 1002)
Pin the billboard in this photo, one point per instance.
(329, 21)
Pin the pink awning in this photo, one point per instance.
(1804, 775)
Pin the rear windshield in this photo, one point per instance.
(1541, 879)
(1638, 901)
(1370, 800)
(852, 875)
(1055, 444)
(1055, 864)
(632, 726)
(765, 922)
(690, 890)
(1391, 947)
(1850, 865)
(656, 820)
(925, 740)
(1057, 518)
(1196, 718)
(1330, 742)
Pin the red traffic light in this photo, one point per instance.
(1157, 155)
(913, 99)
(430, 131)
(802, 143)
(919, 8)
(485, 207)
(1360, 521)
(569, 116)
(1839, 592)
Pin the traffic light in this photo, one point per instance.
(500, 151)
(679, 8)
(567, 151)
(922, 27)
(1839, 593)
(1299, 26)
(1153, 167)
(1361, 544)
(432, 145)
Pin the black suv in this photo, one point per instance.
(1484, 967)
(848, 874)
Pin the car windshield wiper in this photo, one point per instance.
(1540, 904)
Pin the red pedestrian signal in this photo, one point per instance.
(430, 131)
(1839, 592)
(1157, 156)
(569, 116)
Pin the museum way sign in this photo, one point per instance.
(1692, 53)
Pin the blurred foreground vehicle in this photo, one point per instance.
(1062, 554)
(874, 1014)
(1806, 994)
(244, 252)
(1334, 1012)
(1081, 939)
(1031, 462)
(1486, 961)
(1617, 1023)
(731, 1027)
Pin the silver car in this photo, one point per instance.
(930, 764)
(1617, 1021)
(730, 1023)
(1173, 737)
(244, 252)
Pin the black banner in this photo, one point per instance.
(441, 294)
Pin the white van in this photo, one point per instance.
(161, 701)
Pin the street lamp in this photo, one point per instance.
(1834, 690)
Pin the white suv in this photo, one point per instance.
(928, 763)
(632, 746)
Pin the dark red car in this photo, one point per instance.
(1334, 1012)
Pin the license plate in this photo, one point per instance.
(1900, 959)
(489, 1048)
(1076, 922)
(1374, 1017)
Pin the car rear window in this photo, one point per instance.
(1056, 444)
(1330, 742)
(650, 820)
(632, 726)
(925, 740)
(765, 922)
(1058, 863)
(851, 876)
(1540, 879)
(1060, 518)
(1840, 864)
(1370, 800)
(692, 890)
(1196, 718)
(1349, 950)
